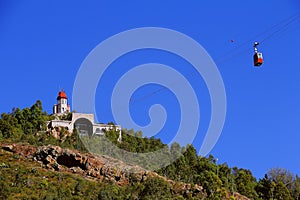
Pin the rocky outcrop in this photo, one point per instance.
(59, 133)
(99, 167)
(238, 196)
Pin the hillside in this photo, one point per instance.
(25, 168)
(36, 163)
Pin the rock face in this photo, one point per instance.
(93, 166)
(101, 167)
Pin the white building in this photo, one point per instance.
(84, 123)
(62, 106)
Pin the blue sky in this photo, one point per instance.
(43, 43)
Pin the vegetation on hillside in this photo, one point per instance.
(22, 179)
(218, 180)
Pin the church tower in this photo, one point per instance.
(62, 106)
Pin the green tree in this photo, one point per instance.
(211, 183)
(224, 173)
(37, 116)
(281, 192)
(245, 183)
(156, 188)
(265, 188)
(288, 179)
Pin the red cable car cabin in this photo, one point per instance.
(258, 59)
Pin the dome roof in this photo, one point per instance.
(62, 95)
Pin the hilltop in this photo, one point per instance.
(37, 163)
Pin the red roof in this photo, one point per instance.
(62, 95)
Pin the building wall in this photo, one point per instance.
(62, 123)
(98, 129)
(104, 127)
(76, 116)
(54, 109)
(62, 105)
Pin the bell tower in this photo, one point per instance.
(62, 106)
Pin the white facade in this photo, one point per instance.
(62, 106)
(60, 123)
(84, 123)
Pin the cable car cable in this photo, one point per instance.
(279, 30)
(283, 24)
